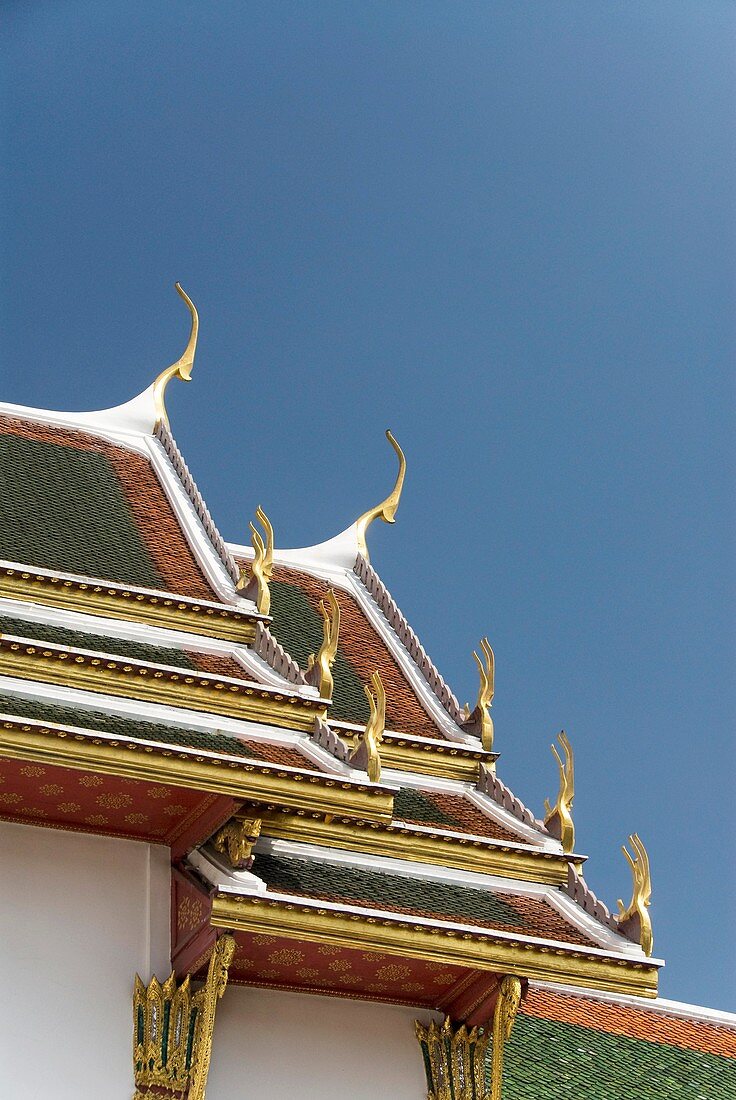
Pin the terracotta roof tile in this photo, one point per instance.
(361, 648)
(447, 811)
(83, 505)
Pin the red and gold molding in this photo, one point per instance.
(117, 601)
(240, 779)
(30, 660)
(109, 805)
(439, 945)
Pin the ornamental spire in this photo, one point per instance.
(182, 368)
(559, 818)
(386, 510)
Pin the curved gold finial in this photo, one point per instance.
(182, 368)
(559, 818)
(386, 510)
(636, 914)
(505, 1012)
(319, 668)
(479, 721)
(367, 755)
(254, 585)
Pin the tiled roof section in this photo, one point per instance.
(415, 896)
(297, 624)
(390, 609)
(218, 664)
(655, 1026)
(447, 811)
(167, 734)
(575, 1048)
(80, 504)
(578, 889)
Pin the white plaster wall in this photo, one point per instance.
(281, 1046)
(79, 915)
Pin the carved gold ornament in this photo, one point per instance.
(386, 510)
(172, 1029)
(236, 839)
(319, 668)
(479, 721)
(366, 754)
(559, 818)
(455, 1059)
(182, 368)
(636, 914)
(254, 585)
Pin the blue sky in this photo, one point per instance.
(504, 230)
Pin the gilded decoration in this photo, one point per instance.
(635, 917)
(319, 667)
(386, 510)
(455, 1059)
(255, 585)
(172, 1030)
(236, 839)
(366, 753)
(559, 818)
(479, 721)
(182, 368)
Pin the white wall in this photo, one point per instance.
(79, 915)
(283, 1045)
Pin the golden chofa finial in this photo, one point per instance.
(182, 368)
(479, 721)
(387, 509)
(636, 915)
(559, 819)
(254, 585)
(366, 755)
(319, 668)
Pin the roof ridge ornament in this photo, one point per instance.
(254, 585)
(479, 721)
(182, 368)
(386, 510)
(559, 818)
(634, 921)
(319, 667)
(366, 753)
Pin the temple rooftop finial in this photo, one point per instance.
(182, 368)
(386, 510)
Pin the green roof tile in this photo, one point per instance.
(299, 629)
(64, 508)
(545, 1059)
(411, 805)
(100, 643)
(359, 887)
(125, 727)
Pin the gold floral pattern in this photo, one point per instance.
(393, 973)
(91, 780)
(9, 798)
(50, 789)
(96, 819)
(69, 807)
(326, 949)
(339, 965)
(136, 819)
(159, 792)
(286, 957)
(32, 771)
(190, 914)
(307, 972)
(173, 811)
(264, 941)
(114, 801)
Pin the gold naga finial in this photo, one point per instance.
(637, 911)
(319, 668)
(366, 754)
(386, 510)
(254, 585)
(559, 818)
(182, 368)
(479, 721)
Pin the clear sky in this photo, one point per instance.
(505, 230)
